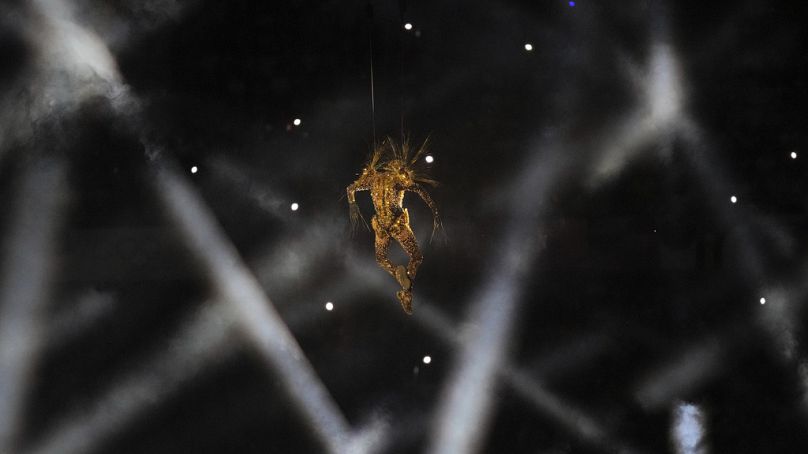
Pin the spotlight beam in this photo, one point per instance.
(576, 421)
(233, 176)
(79, 315)
(256, 315)
(201, 343)
(653, 121)
(665, 116)
(697, 365)
(25, 285)
(681, 375)
(461, 420)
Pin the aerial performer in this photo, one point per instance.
(388, 175)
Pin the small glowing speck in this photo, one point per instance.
(408, 26)
(733, 199)
(572, 3)
(329, 306)
(528, 47)
(793, 155)
(194, 169)
(296, 122)
(429, 159)
(763, 301)
(295, 206)
(427, 359)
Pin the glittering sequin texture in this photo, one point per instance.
(390, 173)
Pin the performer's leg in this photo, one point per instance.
(405, 298)
(400, 272)
(406, 238)
(382, 248)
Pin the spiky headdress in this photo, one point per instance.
(403, 156)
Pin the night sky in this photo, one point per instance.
(622, 265)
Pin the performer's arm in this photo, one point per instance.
(418, 189)
(359, 185)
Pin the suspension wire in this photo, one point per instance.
(402, 6)
(372, 87)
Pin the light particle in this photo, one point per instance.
(762, 300)
(793, 155)
(427, 359)
(329, 306)
(408, 26)
(194, 169)
(297, 122)
(528, 47)
(429, 159)
(294, 206)
(733, 199)
(572, 3)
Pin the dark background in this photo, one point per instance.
(642, 289)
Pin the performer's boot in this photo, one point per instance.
(403, 278)
(405, 298)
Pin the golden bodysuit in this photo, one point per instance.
(387, 183)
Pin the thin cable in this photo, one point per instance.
(402, 6)
(372, 88)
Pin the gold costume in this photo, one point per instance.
(387, 180)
